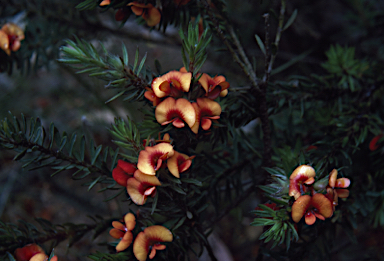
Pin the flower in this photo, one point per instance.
(214, 86)
(302, 174)
(206, 110)
(179, 163)
(32, 252)
(336, 188)
(123, 232)
(141, 186)
(150, 14)
(373, 144)
(123, 171)
(10, 37)
(151, 158)
(172, 84)
(149, 241)
(175, 111)
(317, 206)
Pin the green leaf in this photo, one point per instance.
(290, 20)
(261, 44)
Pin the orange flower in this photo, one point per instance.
(302, 174)
(123, 171)
(149, 241)
(151, 158)
(141, 186)
(175, 111)
(150, 14)
(172, 84)
(10, 37)
(336, 188)
(105, 2)
(373, 144)
(317, 206)
(214, 86)
(123, 232)
(206, 110)
(32, 252)
(179, 163)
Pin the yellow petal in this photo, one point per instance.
(130, 221)
(39, 257)
(115, 233)
(342, 183)
(179, 162)
(179, 80)
(125, 242)
(322, 204)
(300, 207)
(158, 234)
(149, 158)
(332, 178)
(141, 247)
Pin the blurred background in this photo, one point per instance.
(44, 88)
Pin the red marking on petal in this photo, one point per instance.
(27, 252)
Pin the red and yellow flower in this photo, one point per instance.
(149, 241)
(123, 171)
(336, 188)
(179, 163)
(105, 2)
(150, 13)
(151, 159)
(172, 84)
(123, 231)
(10, 37)
(206, 111)
(141, 186)
(32, 252)
(178, 112)
(214, 86)
(303, 174)
(312, 207)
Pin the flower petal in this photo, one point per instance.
(27, 252)
(299, 207)
(118, 225)
(342, 183)
(116, 233)
(171, 109)
(158, 234)
(39, 257)
(152, 16)
(130, 221)
(105, 2)
(310, 218)
(120, 176)
(125, 242)
(322, 204)
(332, 178)
(141, 247)
(342, 193)
(373, 144)
(149, 158)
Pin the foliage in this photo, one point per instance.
(194, 169)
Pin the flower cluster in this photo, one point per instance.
(146, 242)
(32, 252)
(148, 12)
(309, 199)
(141, 180)
(10, 37)
(168, 92)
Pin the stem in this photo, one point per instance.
(278, 35)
